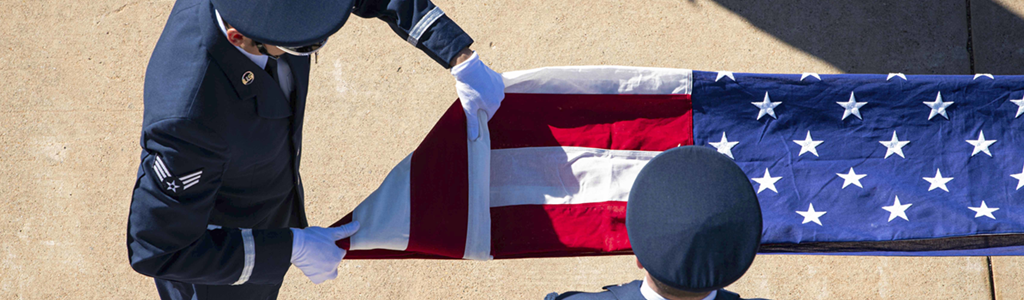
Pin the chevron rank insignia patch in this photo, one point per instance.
(169, 182)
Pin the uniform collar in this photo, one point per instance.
(650, 294)
(240, 70)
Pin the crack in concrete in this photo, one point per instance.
(122, 8)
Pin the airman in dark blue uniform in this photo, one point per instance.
(694, 224)
(217, 209)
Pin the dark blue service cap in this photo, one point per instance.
(693, 219)
(283, 22)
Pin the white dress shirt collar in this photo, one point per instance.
(650, 294)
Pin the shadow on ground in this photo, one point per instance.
(998, 38)
(879, 36)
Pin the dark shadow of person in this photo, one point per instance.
(877, 36)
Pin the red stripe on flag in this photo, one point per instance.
(439, 192)
(617, 122)
(343, 243)
(559, 230)
(530, 231)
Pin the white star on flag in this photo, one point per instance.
(1020, 107)
(810, 215)
(938, 107)
(897, 210)
(724, 74)
(1020, 179)
(808, 145)
(981, 144)
(805, 75)
(938, 182)
(851, 178)
(894, 146)
(724, 146)
(851, 107)
(767, 107)
(891, 75)
(983, 75)
(766, 182)
(983, 210)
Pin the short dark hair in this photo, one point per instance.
(674, 292)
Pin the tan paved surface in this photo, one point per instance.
(1007, 274)
(71, 108)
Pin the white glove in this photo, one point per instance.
(314, 251)
(479, 88)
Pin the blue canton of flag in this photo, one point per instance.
(883, 163)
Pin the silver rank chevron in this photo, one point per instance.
(170, 182)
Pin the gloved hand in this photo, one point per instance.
(479, 88)
(314, 251)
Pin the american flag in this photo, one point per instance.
(842, 164)
(873, 158)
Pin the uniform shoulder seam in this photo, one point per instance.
(199, 125)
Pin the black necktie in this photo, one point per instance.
(271, 68)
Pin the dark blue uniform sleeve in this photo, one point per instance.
(168, 235)
(420, 23)
(606, 295)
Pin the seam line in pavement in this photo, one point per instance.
(970, 45)
(970, 56)
(991, 283)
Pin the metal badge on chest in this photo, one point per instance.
(248, 77)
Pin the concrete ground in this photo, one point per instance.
(71, 108)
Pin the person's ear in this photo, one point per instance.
(236, 38)
(638, 265)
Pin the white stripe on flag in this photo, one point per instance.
(563, 175)
(599, 80)
(384, 215)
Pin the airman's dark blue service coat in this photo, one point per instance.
(218, 184)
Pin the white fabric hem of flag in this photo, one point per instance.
(600, 80)
(478, 229)
(384, 215)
